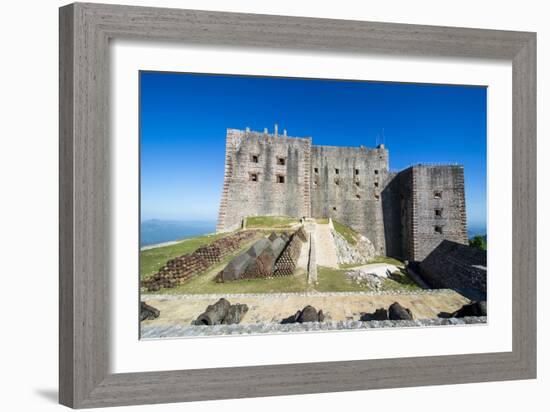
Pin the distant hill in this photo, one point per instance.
(155, 231)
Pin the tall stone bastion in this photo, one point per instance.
(405, 214)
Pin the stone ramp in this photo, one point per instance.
(325, 248)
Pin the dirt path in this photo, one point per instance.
(324, 244)
(275, 307)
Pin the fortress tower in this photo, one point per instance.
(405, 214)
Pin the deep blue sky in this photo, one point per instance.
(184, 118)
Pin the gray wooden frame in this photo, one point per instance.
(85, 31)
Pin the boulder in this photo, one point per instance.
(398, 312)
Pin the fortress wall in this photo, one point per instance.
(337, 194)
(391, 211)
(396, 211)
(406, 210)
(242, 196)
(438, 204)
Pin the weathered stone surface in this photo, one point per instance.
(455, 266)
(364, 278)
(398, 312)
(147, 312)
(165, 331)
(362, 252)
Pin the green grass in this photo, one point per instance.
(347, 232)
(270, 221)
(335, 280)
(400, 281)
(322, 221)
(151, 260)
(204, 283)
(388, 260)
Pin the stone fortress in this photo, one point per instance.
(405, 214)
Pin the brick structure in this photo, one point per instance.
(405, 214)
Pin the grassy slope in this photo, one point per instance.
(347, 232)
(270, 221)
(335, 280)
(151, 260)
(329, 280)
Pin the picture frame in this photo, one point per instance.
(84, 358)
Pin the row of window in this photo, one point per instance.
(337, 171)
(337, 182)
(253, 177)
(281, 161)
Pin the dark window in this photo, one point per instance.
(438, 212)
(254, 158)
(438, 194)
(357, 183)
(358, 196)
(438, 229)
(254, 177)
(316, 170)
(337, 181)
(356, 172)
(280, 179)
(315, 181)
(337, 171)
(376, 171)
(334, 208)
(375, 184)
(377, 196)
(281, 161)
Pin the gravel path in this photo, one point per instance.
(272, 308)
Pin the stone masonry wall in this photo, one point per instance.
(346, 185)
(456, 266)
(404, 215)
(436, 208)
(251, 182)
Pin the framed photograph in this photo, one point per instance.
(257, 205)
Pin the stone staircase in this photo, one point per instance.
(324, 245)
